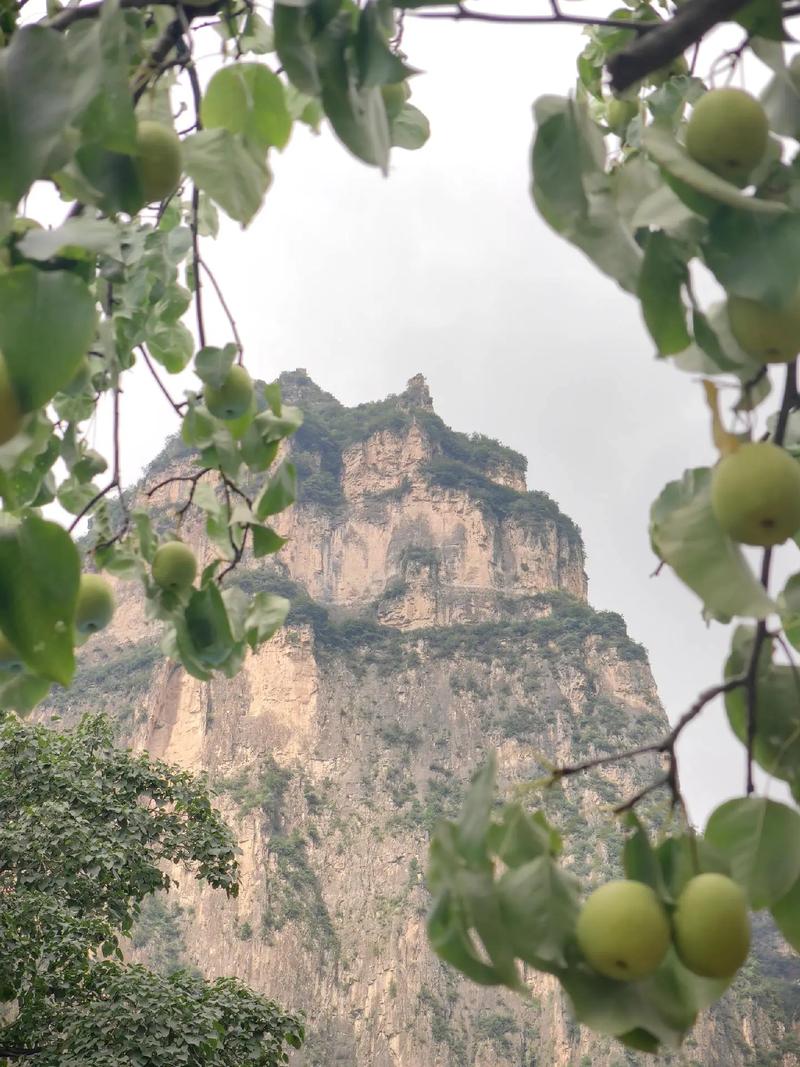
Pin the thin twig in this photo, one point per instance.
(224, 305)
(175, 407)
(463, 14)
(627, 805)
(665, 745)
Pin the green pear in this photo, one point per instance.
(727, 133)
(11, 418)
(95, 605)
(160, 159)
(623, 930)
(233, 397)
(755, 494)
(619, 114)
(174, 566)
(768, 334)
(712, 930)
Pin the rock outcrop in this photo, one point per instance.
(439, 608)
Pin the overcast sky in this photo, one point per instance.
(445, 268)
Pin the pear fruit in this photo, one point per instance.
(174, 566)
(233, 397)
(727, 133)
(95, 605)
(712, 930)
(11, 418)
(160, 159)
(619, 114)
(755, 494)
(623, 930)
(768, 334)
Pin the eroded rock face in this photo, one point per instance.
(338, 746)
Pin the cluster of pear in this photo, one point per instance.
(755, 489)
(624, 930)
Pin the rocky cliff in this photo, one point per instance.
(438, 608)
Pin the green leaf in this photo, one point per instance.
(761, 839)
(664, 1006)
(267, 614)
(39, 576)
(47, 322)
(473, 823)
(539, 905)
(235, 176)
(211, 365)
(762, 18)
(248, 98)
(22, 692)
(377, 64)
(755, 256)
(681, 858)
(113, 177)
(294, 34)
(171, 344)
(481, 903)
(100, 55)
(35, 106)
(410, 129)
(266, 541)
(662, 147)
(272, 427)
(781, 99)
(685, 534)
(279, 493)
(664, 274)
(358, 115)
(450, 940)
(786, 913)
(517, 838)
(715, 350)
(639, 857)
(574, 194)
(789, 605)
(207, 626)
(73, 236)
(776, 745)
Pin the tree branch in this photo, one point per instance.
(462, 14)
(64, 19)
(668, 40)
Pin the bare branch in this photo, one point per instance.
(145, 356)
(463, 14)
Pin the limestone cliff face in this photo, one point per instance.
(438, 609)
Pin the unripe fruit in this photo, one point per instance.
(623, 930)
(95, 604)
(619, 113)
(160, 159)
(174, 566)
(770, 335)
(712, 931)
(11, 418)
(233, 397)
(755, 494)
(727, 133)
(10, 659)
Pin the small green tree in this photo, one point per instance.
(85, 832)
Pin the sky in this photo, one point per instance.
(444, 268)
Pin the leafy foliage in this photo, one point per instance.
(86, 830)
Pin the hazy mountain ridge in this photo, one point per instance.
(438, 608)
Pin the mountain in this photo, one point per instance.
(438, 608)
